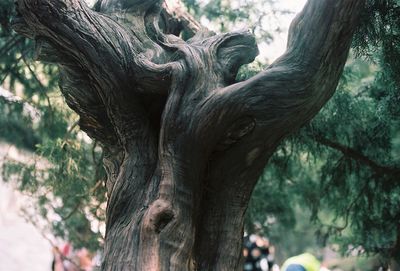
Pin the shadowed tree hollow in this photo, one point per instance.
(184, 143)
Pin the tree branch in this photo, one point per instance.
(177, 19)
(357, 156)
(278, 100)
(9, 97)
(115, 64)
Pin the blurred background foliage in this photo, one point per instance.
(334, 182)
(67, 179)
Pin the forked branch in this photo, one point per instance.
(185, 145)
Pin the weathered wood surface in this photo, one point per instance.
(185, 143)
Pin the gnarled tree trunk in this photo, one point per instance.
(184, 142)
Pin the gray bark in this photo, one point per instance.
(185, 144)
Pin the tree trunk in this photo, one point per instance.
(184, 143)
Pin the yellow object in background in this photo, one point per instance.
(306, 260)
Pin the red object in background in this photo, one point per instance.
(66, 249)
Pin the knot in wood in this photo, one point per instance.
(159, 215)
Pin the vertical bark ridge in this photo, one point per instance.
(182, 153)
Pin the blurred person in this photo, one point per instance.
(302, 262)
(57, 264)
(59, 256)
(85, 259)
(248, 263)
(67, 259)
(257, 254)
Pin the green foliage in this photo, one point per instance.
(380, 34)
(68, 187)
(344, 165)
(223, 16)
(15, 125)
(345, 162)
(367, 183)
(66, 180)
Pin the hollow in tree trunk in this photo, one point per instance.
(185, 143)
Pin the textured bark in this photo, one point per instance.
(184, 143)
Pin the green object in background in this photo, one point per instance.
(307, 260)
